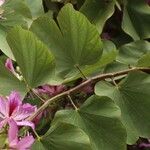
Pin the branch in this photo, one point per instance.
(83, 84)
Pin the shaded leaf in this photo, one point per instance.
(132, 96)
(98, 11)
(144, 61)
(62, 137)
(99, 118)
(130, 53)
(136, 19)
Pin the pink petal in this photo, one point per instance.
(24, 111)
(14, 101)
(3, 109)
(2, 2)
(51, 90)
(28, 107)
(12, 133)
(59, 88)
(25, 143)
(9, 65)
(26, 123)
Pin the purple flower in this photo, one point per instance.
(50, 90)
(10, 67)
(2, 2)
(144, 145)
(13, 108)
(15, 142)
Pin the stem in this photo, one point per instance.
(38, 137)
(81, 72)
(114, 82)
(34, 92)
(73, 104)
(83, 84)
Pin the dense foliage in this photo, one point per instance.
(74, 74)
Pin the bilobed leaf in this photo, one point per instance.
(136, 19)
(98, 11)
(98, 117)
(77, 41)
(8, 82)
(34, 59)
(63, 137)
(132, 96)
(130, 53)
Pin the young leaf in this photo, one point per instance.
(33, 57)
(132, 96)
(98, 117)
(63, 137)
(77, 41)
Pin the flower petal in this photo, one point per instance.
(25, 143)
(12, 133)
(14, 101)
(3, 107)
(9, 65)
(26, 123)
(23, 112)
(2, 2)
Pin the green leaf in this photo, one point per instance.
(63, 137)
(4, 45)
(144, 61)
(14, 13)
(109, 55)
(36, 7)
(136, 19)
(130, 53)
(98, 11)
(114, 67)
(34, 59)
(77, 41)
(8, 82)
(18, 6)
(132, 96)
(99, 119)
